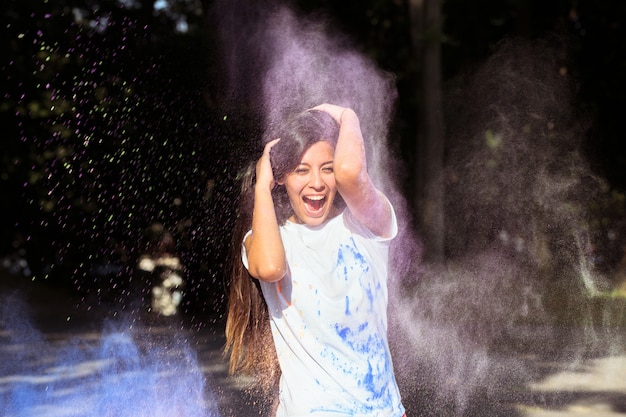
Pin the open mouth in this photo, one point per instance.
(315, 203)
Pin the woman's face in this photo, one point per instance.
(311, 186)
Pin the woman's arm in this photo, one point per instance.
(264, 246)
(366, 203)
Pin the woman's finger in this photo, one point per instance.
(270, 144)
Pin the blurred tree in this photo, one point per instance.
(427, 36)
(112, 118)
(111, 127)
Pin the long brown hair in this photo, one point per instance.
(248, 335)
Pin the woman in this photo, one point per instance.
(315, 234)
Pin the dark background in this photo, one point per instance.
(118, 132)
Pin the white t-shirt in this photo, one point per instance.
(329, 322)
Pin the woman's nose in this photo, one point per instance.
(316, 180)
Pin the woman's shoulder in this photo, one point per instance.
(360, 229)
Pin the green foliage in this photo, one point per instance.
(110, 121)
(107, 131)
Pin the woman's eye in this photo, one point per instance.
(327, 170)
(300, 171)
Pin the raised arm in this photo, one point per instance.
(264, 246)
(354, 184)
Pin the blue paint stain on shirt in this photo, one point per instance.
(365, 340)
(349, 258)
(372, 371)
(342, 264)
(343, 333)
(370, 295)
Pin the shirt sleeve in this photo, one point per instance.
(244, 254)
(358, 228)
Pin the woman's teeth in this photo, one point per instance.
(315, 202)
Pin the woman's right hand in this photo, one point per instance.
(264, 174)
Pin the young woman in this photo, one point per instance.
(314, 236)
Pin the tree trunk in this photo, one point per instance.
(429, 204)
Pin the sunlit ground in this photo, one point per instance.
(65, 363)
(595, 387)
(113, 382)
(586, 386)
(57, 360)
